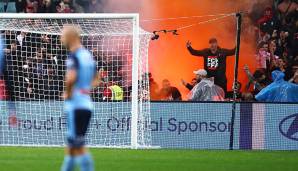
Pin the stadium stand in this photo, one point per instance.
(276, 43)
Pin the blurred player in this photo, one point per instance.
(1, 57)
(81, 74)
(12, 119)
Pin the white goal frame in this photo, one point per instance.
(135, 53)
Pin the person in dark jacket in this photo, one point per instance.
(214, 61)
(20, 5)
(230, 94)
(168, 92)
(200, 74)
(190, 85)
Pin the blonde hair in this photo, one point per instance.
(72, 30)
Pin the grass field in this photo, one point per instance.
(49, 159)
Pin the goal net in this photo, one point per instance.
(32, 114)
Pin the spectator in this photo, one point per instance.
(291, 23)
(281, 65)
(273, 57)
(214, 61)
(248, 97)
(237, 88)
(168, 92)
(20, 5)
(84, 4)
(201, 73)
(51, 87)
(259, 80)
(294, 79)
(206, 90)
(94, 6)
(263, 56)
(117, 92)
(13, 72)
(294, 72)
(46, 6)
(20, 38)
(32, 6)
(295, 43)
(64, 7)
(279, 91)
(56, 6)
(107, 94)
(268, 22)
(282, 42)
(285, 8)
(190, 85)
(5, 5)
(153, 86)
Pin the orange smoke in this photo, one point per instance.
(168, 56)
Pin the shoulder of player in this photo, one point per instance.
(82, 52)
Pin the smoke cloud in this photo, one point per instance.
(168, 56)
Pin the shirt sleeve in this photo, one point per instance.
(72, 63)
(196, 52)
(229, 52)
(176, 94)
(188, 86)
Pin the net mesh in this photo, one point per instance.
(34, 79)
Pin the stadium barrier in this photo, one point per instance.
(268, 126)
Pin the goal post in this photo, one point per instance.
(34, 77)
(135, 87)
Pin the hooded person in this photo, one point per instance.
(278, 91)
(205, 90)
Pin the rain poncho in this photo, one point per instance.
(279, 91)
(206, 90)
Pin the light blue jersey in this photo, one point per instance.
(1, 56)
(82, 61)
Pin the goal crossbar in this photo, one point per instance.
(68, 16)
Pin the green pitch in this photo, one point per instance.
(49, 159)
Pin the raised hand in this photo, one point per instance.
(188, 44)
(246, 67)
(183, 82)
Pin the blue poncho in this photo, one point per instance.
(279, 91)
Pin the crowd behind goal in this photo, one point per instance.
(40, 74)
(35, 67)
